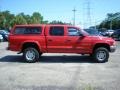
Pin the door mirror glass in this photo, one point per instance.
(80, 34)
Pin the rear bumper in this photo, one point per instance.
(7, 48)
(112, 48)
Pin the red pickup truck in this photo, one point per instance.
(34, 40)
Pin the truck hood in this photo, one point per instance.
(102, 39)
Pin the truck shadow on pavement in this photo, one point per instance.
(50, 59)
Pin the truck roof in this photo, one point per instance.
(27, 25)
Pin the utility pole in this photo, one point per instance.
(111, 24)
(88, 13)
(74, 12)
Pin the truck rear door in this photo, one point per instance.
(56, 37)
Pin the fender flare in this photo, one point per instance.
(29, 41)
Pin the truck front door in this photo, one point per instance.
(76, 42)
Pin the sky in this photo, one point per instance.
(62, 9)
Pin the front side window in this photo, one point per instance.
(56, 31)
(28, 30)
(73, 32)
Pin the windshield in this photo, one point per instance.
(92, 32)
(84, 32)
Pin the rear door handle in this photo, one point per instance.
(49, 40)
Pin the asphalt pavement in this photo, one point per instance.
(58, 72)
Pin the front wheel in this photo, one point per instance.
(31, 55)
(101, 55)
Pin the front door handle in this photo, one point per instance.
(68, 40)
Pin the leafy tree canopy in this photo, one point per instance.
(112, 21)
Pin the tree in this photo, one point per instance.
(26, 17)
(8, 20)
(112, 20)
(56, 22)
(19, 19)
(59, 22)
(2, 21)
(36, 18)
(5, 18)
(45, 22)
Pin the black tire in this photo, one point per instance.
(34, 55)
(90, 55)
(40, 54)
(101, 55)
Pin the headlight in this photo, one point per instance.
(114, 43)
(111, 42)
(1, 37)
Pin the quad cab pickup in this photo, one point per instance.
(34, 40)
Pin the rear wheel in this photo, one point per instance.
(31, 55)
(101, 55)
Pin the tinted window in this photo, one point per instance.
(57, 31)
(92, 31)
(28, 30)
(73, 32)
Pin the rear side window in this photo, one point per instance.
(28, 30)
(56, 31)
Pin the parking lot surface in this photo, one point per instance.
(58, 72)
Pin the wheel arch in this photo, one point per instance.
(30, 44)
(105, 45)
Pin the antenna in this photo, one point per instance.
(74, 12)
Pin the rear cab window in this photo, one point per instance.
(27, 30)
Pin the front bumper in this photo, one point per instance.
(112, 48)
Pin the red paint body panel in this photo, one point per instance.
(56, 44)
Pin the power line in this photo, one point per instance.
(74, 12)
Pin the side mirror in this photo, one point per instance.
(81, 34)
